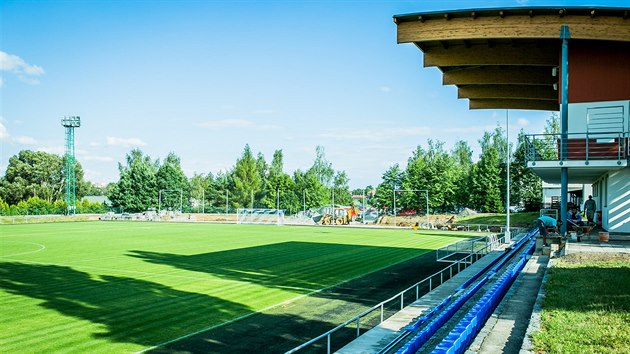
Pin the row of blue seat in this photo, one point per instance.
(467, 329)
(427, 332)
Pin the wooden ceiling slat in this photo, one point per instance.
(541, 105)
(529, 92)
(497, 55)
(519, 75)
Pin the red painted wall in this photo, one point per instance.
(598, 71)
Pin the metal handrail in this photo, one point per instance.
(468, 260)
(583, 146)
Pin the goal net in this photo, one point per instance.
(260, 216)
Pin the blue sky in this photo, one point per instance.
(204, 78)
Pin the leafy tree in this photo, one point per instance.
(199, 185)
(434, 170)
(392, 179)
(93, 189)
(171, 180)
(39, 174)
(462, 156)
(263, 170)
(526, 186)
(279, 186)
(341, 189)
(497, 139)
(322, 168)
(4, 207)
(87, 207)
(549, 149)
(247, 179)
(33, 174)
(309, 190)
(219, 190)
(485, 183)
(136, 189)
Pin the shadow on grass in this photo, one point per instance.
(283, 328)
(301, 267)
(132, 310)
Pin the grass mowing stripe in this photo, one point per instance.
(124, 286)
(256, 312)
(113, 270)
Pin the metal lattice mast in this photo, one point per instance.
(70, 123)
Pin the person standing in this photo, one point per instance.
(589, 208)
(545, 222)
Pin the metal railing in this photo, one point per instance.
(577, 146)
(477, 244)
(429, 283)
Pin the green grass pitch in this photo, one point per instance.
(113, 287)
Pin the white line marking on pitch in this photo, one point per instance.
(41, 248)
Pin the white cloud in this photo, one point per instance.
(25, 140)
(28, 80)
(58, 150)
(264, 111)
(471, 129)
(16, 64)
(125, 142)
(522, 2)
(234, 123)
(96, 158)
(376, 134)
(385, 89)
(522, 122)
(22, 140)
(4, 133)
(1, 82)
(24, 71)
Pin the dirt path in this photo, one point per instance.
(285, 327)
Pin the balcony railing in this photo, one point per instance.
(577, 147)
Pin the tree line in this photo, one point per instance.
(251, 183)
(35, 180)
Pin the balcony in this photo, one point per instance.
(586, 155)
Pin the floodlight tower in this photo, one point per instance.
(70, 123)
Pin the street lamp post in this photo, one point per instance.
(394, 206)
(508, 236)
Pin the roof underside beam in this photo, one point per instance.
(535, 75)
(542, 105)
(531, 55)
(527, 92)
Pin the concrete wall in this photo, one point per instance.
(616, 209)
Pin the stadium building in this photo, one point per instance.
(575, 60)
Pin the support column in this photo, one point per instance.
(564, 122)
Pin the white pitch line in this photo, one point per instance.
(41, 248)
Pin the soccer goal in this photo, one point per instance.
(260, 216)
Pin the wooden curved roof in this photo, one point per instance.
(505, 58)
